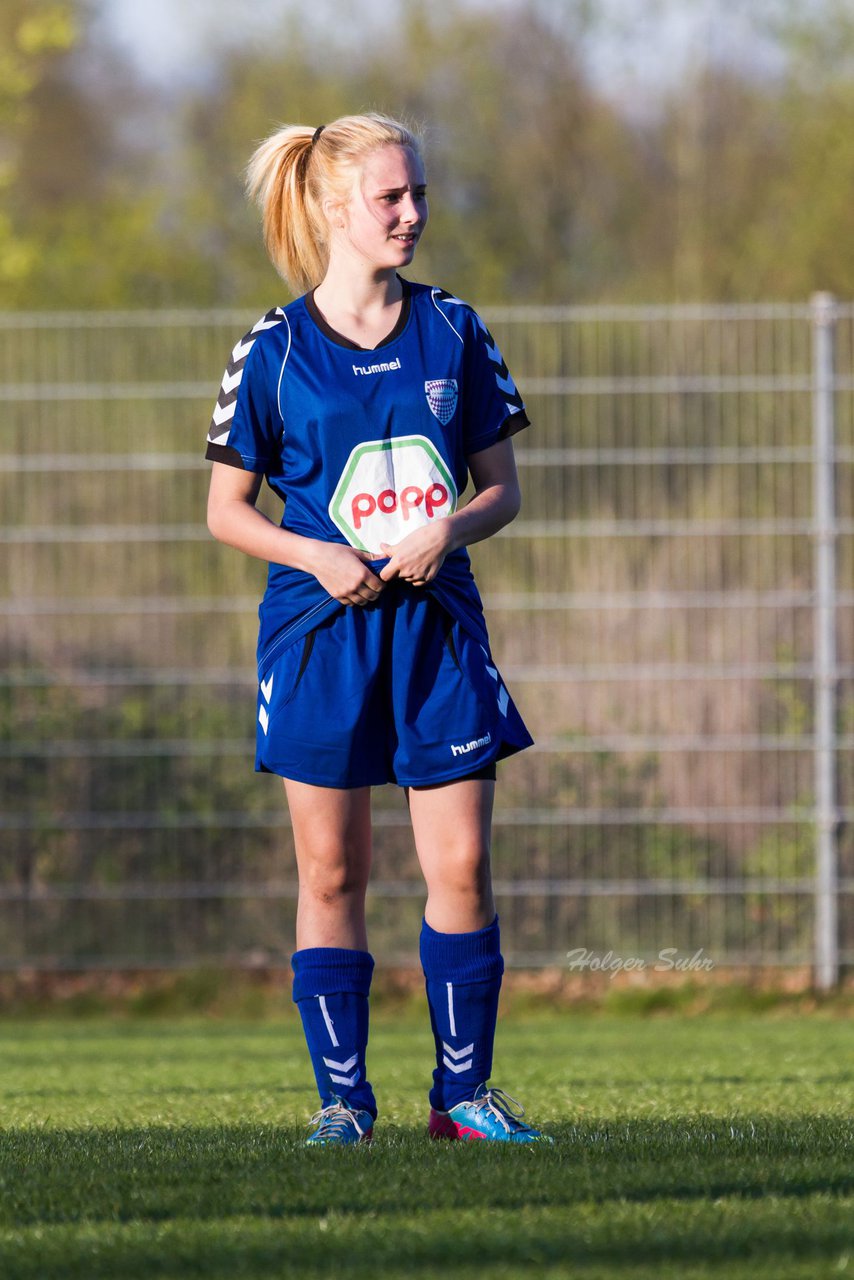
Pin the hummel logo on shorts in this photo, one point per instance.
(464, 748)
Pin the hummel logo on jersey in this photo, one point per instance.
(466, 747)
(376, 368)
(442, 398)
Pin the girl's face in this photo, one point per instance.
(386, 213)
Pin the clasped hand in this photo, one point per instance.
(419, 556)
(416, 559)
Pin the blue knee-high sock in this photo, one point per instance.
(331, 987)
(463, 973)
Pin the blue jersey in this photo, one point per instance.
(363, 446)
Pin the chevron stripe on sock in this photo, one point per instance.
(463, 978)
(331, 988)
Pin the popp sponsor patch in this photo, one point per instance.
(390, 487)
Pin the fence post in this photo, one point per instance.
(826, 946)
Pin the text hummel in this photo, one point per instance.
(466, 747)
(376, 368)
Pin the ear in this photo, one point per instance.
(333, 212)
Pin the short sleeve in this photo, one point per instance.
(493, 409)
(246, 427)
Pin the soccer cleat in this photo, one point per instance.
(491, 1114)
(339, 1125)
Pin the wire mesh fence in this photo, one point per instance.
(672, 609)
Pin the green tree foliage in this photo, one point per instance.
(801, 238)
(84, 213)
(523, 206)
(32, 36)
(545, 185)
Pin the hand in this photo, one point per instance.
(344, 573)
(419, 556)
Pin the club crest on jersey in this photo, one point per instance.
(442, 398)
(390, 487)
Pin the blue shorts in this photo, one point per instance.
(394, 691)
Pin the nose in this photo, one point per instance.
(409, 211)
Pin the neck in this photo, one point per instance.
(358, 293)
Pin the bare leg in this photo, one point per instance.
(332, 836)
(459, 943)
(451, 823)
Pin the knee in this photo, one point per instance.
(464, 871)
(330, 879)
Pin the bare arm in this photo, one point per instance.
(497, 498)
(234, 519)
(419, 556)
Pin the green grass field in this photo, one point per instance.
(714, 1146)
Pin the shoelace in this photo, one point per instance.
(334, 1119)
(504, 1108)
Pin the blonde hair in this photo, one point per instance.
(294, 170)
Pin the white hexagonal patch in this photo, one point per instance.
(388, 488)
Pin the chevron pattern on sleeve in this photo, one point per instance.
(505, 382)
(503, 378)
(227, 399)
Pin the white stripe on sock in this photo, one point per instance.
(456, 1067)
(450, 986)
(345, 1066)
(348, 1080)
(455, 1053)
(326, 1018)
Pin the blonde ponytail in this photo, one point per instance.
(296, 169)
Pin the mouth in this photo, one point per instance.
(408, 238)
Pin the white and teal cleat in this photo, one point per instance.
(491, 1114)
(339, 1125)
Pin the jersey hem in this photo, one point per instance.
(232, 458)
(511, 426)
(504, 749)
(313, 780)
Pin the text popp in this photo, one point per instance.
(408, 500)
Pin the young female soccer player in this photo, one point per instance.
(367, 403)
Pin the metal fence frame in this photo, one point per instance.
(73, 381)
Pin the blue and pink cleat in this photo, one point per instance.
(491, 1114)
(340, 1125)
